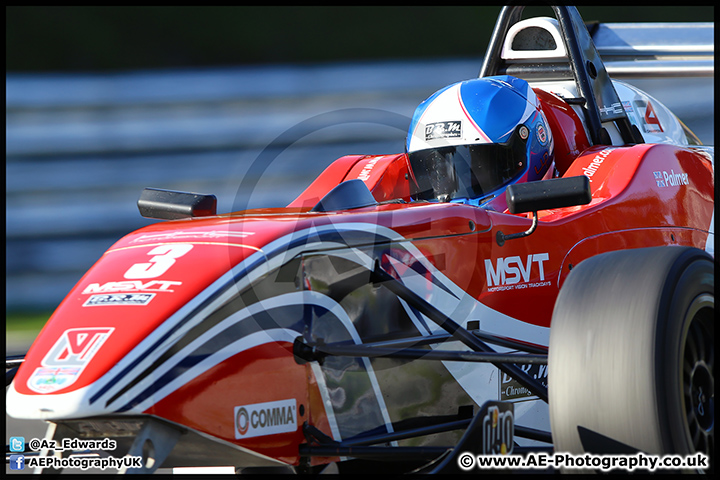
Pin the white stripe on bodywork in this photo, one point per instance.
(458, 305)
(245, 343)
(253, 340)
(237, 286)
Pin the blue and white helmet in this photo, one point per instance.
(469, 140)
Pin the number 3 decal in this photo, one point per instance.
(164, 258)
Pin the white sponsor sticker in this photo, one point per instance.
(451, 129)
(119, 299)
(267, 418)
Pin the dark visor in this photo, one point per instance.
(467, 171)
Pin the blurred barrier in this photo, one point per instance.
(80, 148)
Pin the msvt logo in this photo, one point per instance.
(266, 418)
(515, 272)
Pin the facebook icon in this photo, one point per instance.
(17, 462)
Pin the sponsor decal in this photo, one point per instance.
(512, 390)
(513, 273)
(541, 133)
(452, 129)
(119, 299)
(523, 132)
(614, 109)
(365, 173)
(191, 235)
(66, 360)
(671, 179)
(267, 418)
(651, 122)
(498, 429)
(595, 163)
(545, 160)
(131, 286)
(48, 380)
(651, 119)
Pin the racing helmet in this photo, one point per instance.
(470, 140)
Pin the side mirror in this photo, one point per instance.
(172, 205)
(548, 194)
(544, 195)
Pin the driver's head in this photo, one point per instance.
(470, 140)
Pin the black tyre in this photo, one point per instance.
(631, 357)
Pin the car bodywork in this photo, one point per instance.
(356, 323)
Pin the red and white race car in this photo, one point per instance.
(388, 320)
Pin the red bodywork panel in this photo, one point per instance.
(569, 134)
(386, 176)
(642, 195)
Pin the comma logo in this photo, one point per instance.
(242, 421)
(267, 418)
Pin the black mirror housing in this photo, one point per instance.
(172, 205)
(548, 194)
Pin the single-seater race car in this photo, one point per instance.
(534, 274)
